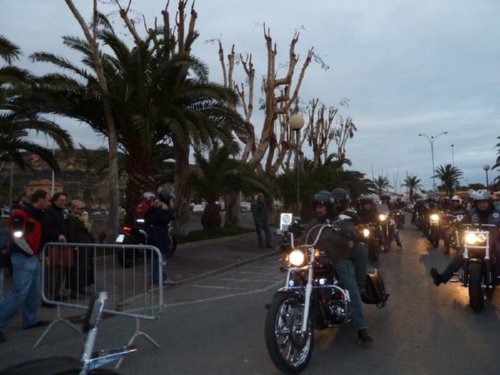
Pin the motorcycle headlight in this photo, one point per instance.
(18, 233)
(382, 217)
(435, 217)
(366, 233)
(297, 258)
(474, 238)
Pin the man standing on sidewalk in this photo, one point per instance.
(25, 229)
(259, 212)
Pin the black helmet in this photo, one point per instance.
(365, 200)
(322, 197)
(340, 195)
(165, 196)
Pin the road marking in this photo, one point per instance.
(202, 300)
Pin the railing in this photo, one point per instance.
(72, 272)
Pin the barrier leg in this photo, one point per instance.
(136, 334)
(56, 320)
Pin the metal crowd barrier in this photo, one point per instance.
(72, 272)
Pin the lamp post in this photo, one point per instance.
(431, 140)
(486, 168)
(296, 123)
(452, 155)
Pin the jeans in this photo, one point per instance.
(346, 274)
(263, 227)
(25, 291)
(360, 259)
(154, 267)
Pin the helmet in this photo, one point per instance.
(165, 196)
(148, 195)
(482, 196)
(385, 198)
(341, 198)
(456, 198)
(365, 200)
(322, 197)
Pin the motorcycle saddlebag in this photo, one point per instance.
(375, 288)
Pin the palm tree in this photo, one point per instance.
(412, 183)
(381, 185)
(159, 99)
(17, 120)
(449, 176)
(221, 174)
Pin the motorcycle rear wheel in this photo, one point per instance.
(476, 292)
(289, 349)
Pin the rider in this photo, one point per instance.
(483, 213)
(144, 205)
(156, 220)
(367, 212)
(344, 249)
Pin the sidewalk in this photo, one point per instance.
(197, 259)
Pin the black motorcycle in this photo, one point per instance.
(89, 362)
(478, 267)
(453, 233)
(138, 235)
(370, 234)
(312, 298)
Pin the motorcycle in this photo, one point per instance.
(370, 235)
(389, 230)
(435, 228)
(90, 362)
(312, 298)
(478, 266)
(399, 218)
(452, 235)
(138, 235)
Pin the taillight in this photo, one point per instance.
(126, 229)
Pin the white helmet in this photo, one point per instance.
(482, 195)
(148, 195)
(456, 198)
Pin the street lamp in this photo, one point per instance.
(452, 155)
(296, 123)
(431, 140)
(486, 168)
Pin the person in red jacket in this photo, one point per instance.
(144, 205)
(25, 230)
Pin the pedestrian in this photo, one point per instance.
(259, 212)
(55, 229)
(82, 273)
(25, 231)
(156, 222)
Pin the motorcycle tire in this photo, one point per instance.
(172, 246)
(447, 246)
(435, 241)
(476, 292)
(290, 351)
(373, 254)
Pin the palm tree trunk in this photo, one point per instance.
(182, 189)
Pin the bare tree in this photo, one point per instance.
(90, 33)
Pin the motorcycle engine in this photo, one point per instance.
(338, 310)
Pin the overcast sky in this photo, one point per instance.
(406, 66)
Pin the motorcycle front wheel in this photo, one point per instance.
(476, 292)
(289, 349)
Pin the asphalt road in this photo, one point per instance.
(214, 325)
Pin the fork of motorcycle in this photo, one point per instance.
(307, 300)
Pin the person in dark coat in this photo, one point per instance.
(56, 229)
(156, 222)
(82, 274)
(259, 212)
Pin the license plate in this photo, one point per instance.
(120, 238)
